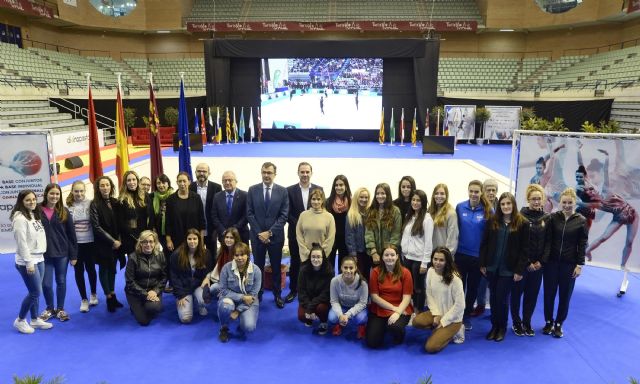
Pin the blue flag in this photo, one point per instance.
(184, 153)
(241, 128)
(196, 121)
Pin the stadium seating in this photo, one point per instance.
(36, 114)
(627, 113)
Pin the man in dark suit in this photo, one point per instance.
(267, 210)
(298, 202)
(206, 190)
(229, 208)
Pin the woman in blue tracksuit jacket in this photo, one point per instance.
(472, 217)
(62, 246)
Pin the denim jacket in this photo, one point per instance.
(233, 287)
(354, 237)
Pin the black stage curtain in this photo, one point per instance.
(410, 70)
(574, 113)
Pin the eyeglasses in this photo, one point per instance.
(145, 242)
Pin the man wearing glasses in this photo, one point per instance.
(206, 190)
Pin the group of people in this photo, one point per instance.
(412, 260)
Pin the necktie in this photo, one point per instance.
(229, 203)
(267, 197)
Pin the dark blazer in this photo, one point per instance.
(238, 218)
(105, 230)
(212, 189)
(272, 219)
(61, 237)
(296, 206)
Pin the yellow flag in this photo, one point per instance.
(122, 148)
(381, 133)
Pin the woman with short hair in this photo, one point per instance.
(145, 278)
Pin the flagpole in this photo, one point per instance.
(402, 128)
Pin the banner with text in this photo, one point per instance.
(294, 26)
(608, 195)
(66, 143)
(502, 123)
(24, 164)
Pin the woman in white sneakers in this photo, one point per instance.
(79, 208)
(31, 243)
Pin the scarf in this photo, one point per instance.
(158, 199)
(340, 204)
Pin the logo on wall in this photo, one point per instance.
(26, 163)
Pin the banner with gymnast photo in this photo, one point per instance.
(460, 121)
(24, 164)
(605, 172)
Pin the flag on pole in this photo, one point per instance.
(241, 128)
(402, 127)
(252, 132)
(196, 122)
(235, 127)
(426, 124)
(203, 126)
(218, 130)
(414, 128)
(213, 129)
(392, 129)
(381, 132)
(155, 151)
(228, 127)
(122, 148)
(95, 162)
(184, 153)
(259, 126)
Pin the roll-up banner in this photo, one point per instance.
(605, 172)
(460, 121)
(24, 164)
(502, 123)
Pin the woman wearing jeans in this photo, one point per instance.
(31, 243)
(62, 246)
(240, 282)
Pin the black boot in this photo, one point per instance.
(500, 334)
(116, 303)
(110, 305)
(492, 333)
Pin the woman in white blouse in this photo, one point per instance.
(445, 299)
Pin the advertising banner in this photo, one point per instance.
(294, 26)
(460, 121)
(24, 164)
(502, 123)
(605, 172)
(74, 141)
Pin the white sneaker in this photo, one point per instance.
(413, 316)
(203, 311)
(93, 300)
(38, 323)
(22, 326)
(84, 306)
(459, 337)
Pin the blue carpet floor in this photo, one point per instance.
(601, 333)
(95, 347)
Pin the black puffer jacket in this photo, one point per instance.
(186, 280)
(538, 221)
(145, 273)
(565, 240)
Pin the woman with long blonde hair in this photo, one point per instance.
(354, 229)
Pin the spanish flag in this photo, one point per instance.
(122, 149)
(381, 133)
(414, 128)
(228, 126)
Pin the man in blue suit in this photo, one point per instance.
(229, 208)
(267, 211)
(298, 202)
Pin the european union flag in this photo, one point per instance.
(184, 153)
